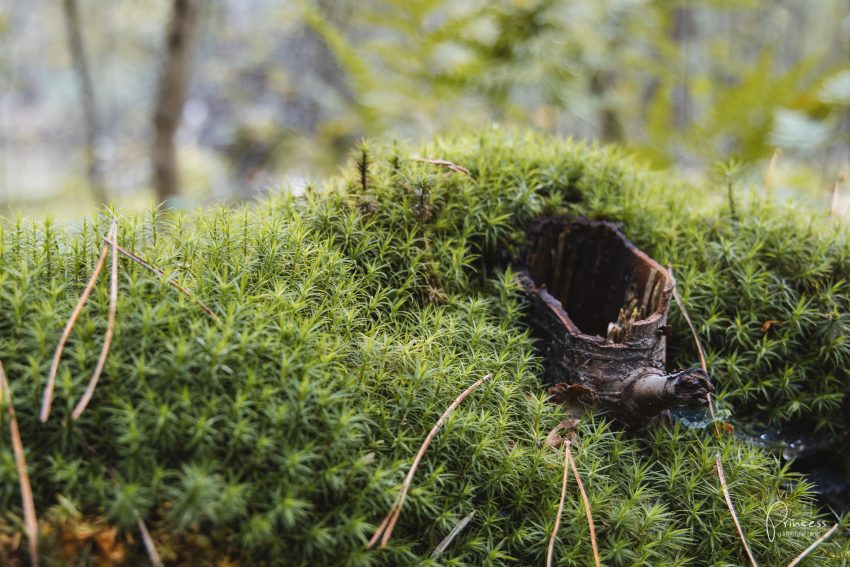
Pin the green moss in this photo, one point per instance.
(352, 316)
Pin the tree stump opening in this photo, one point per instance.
(598, 306)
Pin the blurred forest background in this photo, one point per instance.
(107, 100)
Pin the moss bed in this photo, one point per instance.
(352, 315)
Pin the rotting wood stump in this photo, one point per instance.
(598, 306)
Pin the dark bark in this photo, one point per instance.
(173, 86)
(598, 306)
(88, 101)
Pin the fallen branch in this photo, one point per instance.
(150, 547)
(47, 399)
(586, 506)
(161, 273)
(110, 328)
(30, 519)
(438, 551)
(719, 467)
(388, 524)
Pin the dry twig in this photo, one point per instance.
(110, 327)
(388, 524)
(812, 547)
(30, 519)
(47, 399)
(161, 273)
(719, 466)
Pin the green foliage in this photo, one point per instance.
(351, 317)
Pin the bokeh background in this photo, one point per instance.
(277, 92)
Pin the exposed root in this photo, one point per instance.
(388, 524)
(110, 327)
(161, 273)
(719, 467)
(47, 399)
(27, 501)
(812, 547)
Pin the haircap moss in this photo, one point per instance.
(281, 433)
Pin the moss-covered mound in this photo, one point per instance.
(350, 318)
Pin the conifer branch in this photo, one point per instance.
(110, 327)
(27, 501)
(812, 547)
(388, 524)
(47, 398)
(161, 273)
(728, 497)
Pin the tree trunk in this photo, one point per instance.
(174, 83)
(598, 307)
(87, 99)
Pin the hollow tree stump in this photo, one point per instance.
(598, 307)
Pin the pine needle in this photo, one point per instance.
(718, 462)
(719, 466)
(771, 169)
(812, 547)
(550, 553)
(388, 524)
(110, 327)
(444, 163)
(30, 519)
(586, 505)
(161, 273)
(690, 323)
(150, 547)
(438, 551)
(700, 352)
(835, 213)
(47, 399)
